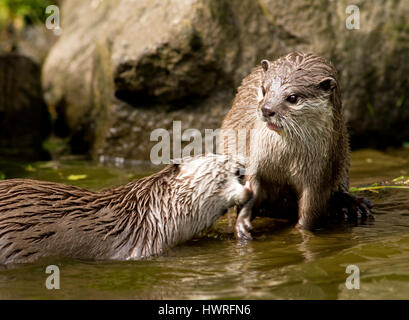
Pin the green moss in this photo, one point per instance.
(400, 101)
(57, 146)
(29, 11)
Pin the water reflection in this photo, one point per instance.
(303, 246)
(282, 262)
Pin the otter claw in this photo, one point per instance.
(351, 207)
(241, 230)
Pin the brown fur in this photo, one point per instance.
(308, 160)
(142, 218)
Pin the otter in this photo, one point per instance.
(137, 220)
(296, 142)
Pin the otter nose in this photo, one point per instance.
(267, 112)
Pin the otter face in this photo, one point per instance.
(219, 179)
(295, 92)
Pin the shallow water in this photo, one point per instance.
(281, 263)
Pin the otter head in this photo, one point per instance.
(217, 179)
(298, 92)
(235, 190)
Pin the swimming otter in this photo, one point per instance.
(140, 219)
(296, 142)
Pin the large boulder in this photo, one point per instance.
(24, 119)
(124, 68)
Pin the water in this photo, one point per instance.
(281, 263)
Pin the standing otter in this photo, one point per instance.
(140, 219)
(296, 141)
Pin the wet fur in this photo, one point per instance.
(309, 161)
(140, 219)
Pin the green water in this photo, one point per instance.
(281, 263)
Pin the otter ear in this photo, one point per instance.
(265, 64)
(328, 84)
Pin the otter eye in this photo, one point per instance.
(292, 98)
(240, 175)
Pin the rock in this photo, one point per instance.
(32, 41)
(24, 119)
(122, 69)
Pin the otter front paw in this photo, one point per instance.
(243, 225)
(242, 228)
(350, 207)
